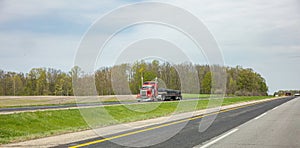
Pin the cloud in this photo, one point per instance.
(45, 33)
(248, 21)
(21, 51)
(81, 12)
(146, 31)
(16, 10)
(262, 35)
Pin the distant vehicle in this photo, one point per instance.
(151, 92)
(297, 94)
(288, 94)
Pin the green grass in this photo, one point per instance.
(188, 96)
(112, 99)
(31, 125)
(234, 100)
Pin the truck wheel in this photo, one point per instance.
(173, 98)
(163, 98)
(153, 99)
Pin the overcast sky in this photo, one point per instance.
(260, 34)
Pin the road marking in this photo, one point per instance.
(275, 108)
(167, 124)
(216, 140)
(260, 116)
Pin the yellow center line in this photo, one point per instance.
(166, 124)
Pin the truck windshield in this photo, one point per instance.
(147, 87)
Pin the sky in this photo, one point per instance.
(260, 34)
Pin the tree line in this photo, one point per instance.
(287, 93)
(110, 80)
(38, 81)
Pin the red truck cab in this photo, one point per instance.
(148, 92)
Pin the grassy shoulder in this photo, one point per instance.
(30, 125)
(29, 101)
(189, 96)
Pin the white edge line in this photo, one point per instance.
(218, 139)
(275, 108)
(260, 116)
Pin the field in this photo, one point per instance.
(30, 125)
(17, 101)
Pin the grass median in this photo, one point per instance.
(31, 125)
(28, 101)
(195, 96)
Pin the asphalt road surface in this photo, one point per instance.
(170, 135)
(67, 106)
(277, 128)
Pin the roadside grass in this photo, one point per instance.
(233, 100)
(28, 102)
(31, 125)
(189, 96)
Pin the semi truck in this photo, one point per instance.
(150, 91)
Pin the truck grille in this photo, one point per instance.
(143, 93)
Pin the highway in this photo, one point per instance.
(278, 128)
(226, 124)
(68, 106)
